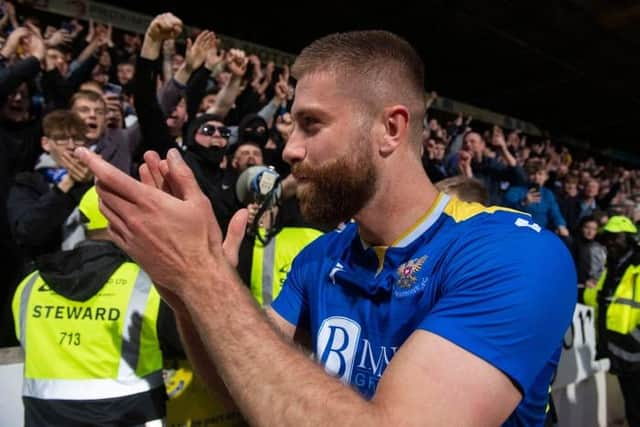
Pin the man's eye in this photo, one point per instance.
(309, 122)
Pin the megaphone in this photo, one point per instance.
(259, 184)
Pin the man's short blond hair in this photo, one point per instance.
(383, 68)
(464, 188)
(87, 94)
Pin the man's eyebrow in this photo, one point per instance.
(308, 111)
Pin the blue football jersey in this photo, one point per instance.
(485, 278)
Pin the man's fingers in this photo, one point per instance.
(201, 37)
(145, 175)
(77, 170)
(180, 177)
(116, 205)
(117, 226)
(67, 158)
(164, 169)
(235, 234)
(152, 160)
(110, 177)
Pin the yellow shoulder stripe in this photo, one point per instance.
(462, 211)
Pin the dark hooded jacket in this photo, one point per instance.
(205, 164)
(37, 209)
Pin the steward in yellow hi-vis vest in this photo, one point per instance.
(616, 300)
(90, 323)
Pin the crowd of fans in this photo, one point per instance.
(226, 110)
(567, 191)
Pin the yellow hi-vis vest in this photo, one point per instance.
(271, 263)
(104, 347)
(623, 313)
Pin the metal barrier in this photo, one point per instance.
(11, 367)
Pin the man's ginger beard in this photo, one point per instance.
(338, 189)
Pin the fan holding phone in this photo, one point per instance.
(537, 200)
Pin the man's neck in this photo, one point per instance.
(399, 203)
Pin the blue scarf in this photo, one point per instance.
(53, 175)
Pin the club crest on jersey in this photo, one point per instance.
(407, 275)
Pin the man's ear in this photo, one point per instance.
(45, 143)
(396, 126)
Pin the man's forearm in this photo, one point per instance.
(86, 53)
(226, 97)
(182, 74)
(199, 358)
(271, 381)
(167, 70)
(150, 49)
(269, 111)
(508, 157)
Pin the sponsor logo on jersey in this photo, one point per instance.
(346, 354)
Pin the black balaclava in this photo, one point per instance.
(209, 155)
(248, 130)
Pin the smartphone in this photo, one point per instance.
(68, 26)
(535, 187)
(113, 89)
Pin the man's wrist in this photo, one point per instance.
(235, 79)
(208, 281)
(216, 68)
(150, 48)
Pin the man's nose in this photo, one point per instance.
(295, 149)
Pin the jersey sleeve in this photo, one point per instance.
(292, 303)
(507, 297)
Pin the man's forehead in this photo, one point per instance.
(85, 102)
(22, 89)
(318, 92)
(248, 148)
